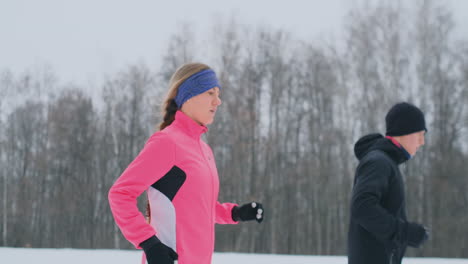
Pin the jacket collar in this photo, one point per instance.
(407, 155)
(372, 142)
(188, 125)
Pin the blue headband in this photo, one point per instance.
(196, 84)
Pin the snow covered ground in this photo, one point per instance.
(80, 256)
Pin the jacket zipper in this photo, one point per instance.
(391, 256)
(211, 181)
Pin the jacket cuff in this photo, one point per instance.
(235, 214)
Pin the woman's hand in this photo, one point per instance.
(249, 211)
(158, 253)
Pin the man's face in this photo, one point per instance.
(413, 142)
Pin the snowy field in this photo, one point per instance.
(80, 256)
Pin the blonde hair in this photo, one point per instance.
(169, 107)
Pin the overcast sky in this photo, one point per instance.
(84, 39)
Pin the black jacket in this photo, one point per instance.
(378, 230)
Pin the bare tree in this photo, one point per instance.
(443, 96)
(71, 125)
(130, 113)
(5, 88)
(180, 50)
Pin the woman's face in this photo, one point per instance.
(202, 108)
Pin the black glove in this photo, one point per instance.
(416, 234)
(249, 211)
(158, 253)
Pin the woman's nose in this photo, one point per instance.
(217, 101)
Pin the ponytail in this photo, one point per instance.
(170, 109)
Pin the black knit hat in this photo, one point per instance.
(403, 119)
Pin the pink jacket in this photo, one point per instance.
(178, 171)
